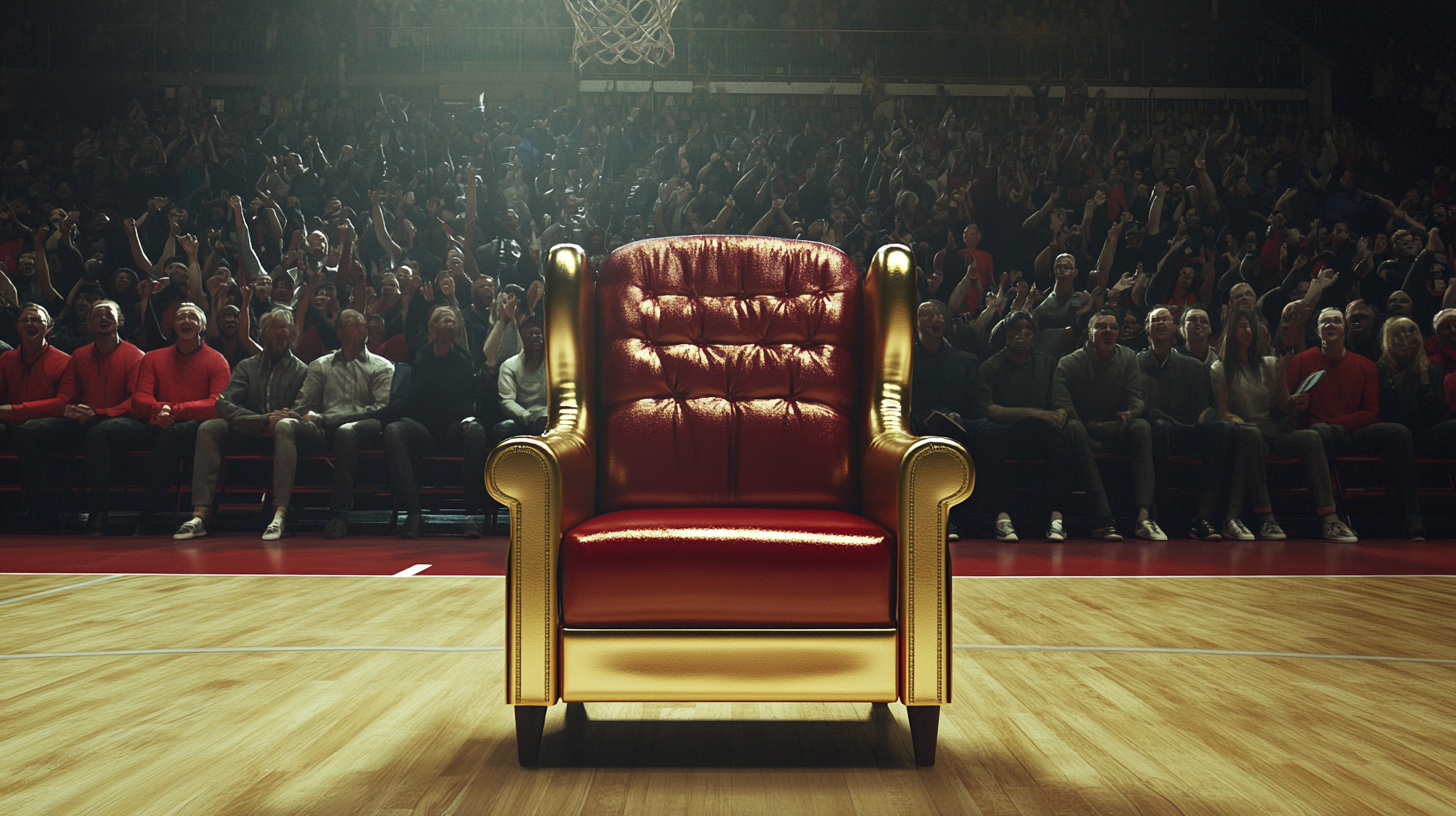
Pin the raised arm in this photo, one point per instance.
(144, 264)
(381, 231)
(43, 266)
(194, 272)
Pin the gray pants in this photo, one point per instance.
(1251, 478)
(407, 438)
(1390, 442)
(217, 437)
(347, 439)
(1137, 441)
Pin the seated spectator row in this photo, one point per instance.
(110, 399)
(1089, 285)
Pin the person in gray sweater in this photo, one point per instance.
(1100, 388)
(262, 389)
(1180, 409)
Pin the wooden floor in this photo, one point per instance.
(314, 695)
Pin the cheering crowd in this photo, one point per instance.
(337, 275)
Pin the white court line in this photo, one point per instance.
(1219, 652)
(57, 589)
(415, 570)
(254, 650)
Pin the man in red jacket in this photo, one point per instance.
(177, 389)
(1344, 409)
(30, 382)
(99, 383)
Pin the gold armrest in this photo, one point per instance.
(909, 483)
(548, 483)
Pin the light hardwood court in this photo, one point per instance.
(265, 695)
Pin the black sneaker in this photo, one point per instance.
(1107, 532)
(412, 525)
(1204, 530)
(951, 533)
(336, 528)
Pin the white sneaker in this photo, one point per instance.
(1271, 531)
(1005, 531)
(1149, 529)
(1235, 529)
(191, 528)
(1056, 530)
(274, 531)
(1337, 531)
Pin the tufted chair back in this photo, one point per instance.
(729, 375)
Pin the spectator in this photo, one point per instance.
(98, 384)
(340, 391)
(260, 394)
(945, 382)
(1179, 400)
(1412, 389)
(31, 378)
(1016, 398)
(1247, 387)
(1344, 409)
(176, 391)
(523, 384)
(1099, 387)
(437, 414)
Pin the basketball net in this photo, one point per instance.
(626, 31)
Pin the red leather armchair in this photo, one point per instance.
(727, 505)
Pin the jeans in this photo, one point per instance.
(35, 441)
(1250, 476)
(1136, 439)
(170, 446)
(1390, 442)
(1029, 437)
(107, 440)
(1209, 441)
(407, 438)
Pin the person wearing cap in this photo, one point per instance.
(1441, 350)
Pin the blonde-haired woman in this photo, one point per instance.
(1247, 387)
(1411, 388)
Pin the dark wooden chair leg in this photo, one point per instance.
(924, 729)
(530, 721)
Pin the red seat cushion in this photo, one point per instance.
(727, 566)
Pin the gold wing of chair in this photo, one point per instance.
(548, 483)
(909, 483)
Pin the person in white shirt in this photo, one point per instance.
(523, 384)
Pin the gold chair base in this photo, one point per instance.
(729, 665)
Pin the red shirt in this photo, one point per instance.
(393, 349)
(1349, 394)
(985, 270)
(190, 383)
(103, 381)
(31, 389)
